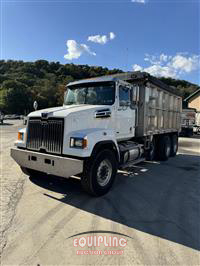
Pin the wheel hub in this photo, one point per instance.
(104, 173)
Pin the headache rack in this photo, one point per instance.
(45, 135)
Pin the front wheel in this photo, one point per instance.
(99, 173)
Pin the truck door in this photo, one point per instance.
(125, 118)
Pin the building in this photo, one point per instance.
(193, 100)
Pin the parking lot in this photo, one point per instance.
(156, 204)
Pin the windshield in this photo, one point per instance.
(95, 94)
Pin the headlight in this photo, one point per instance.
(20, 136)
(80, 143)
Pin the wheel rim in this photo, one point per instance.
(104, 173)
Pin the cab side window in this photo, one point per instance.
(124, 96)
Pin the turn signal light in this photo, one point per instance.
(20, 136)
(85, 143)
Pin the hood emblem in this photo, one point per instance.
(44, 115)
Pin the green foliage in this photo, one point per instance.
(18, 100)
(21, 83)
(183, 87)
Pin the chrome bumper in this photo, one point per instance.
(51, 164)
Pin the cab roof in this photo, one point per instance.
(115, 77)
(130, 77)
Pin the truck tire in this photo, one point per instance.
(99, 173)
(164, 148)
(174, 145)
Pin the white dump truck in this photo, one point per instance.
(105, 124)
(196, 128)
(188, 122)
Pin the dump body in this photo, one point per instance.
(159, 108)
(159, 111)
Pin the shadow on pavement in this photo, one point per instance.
(161, 199)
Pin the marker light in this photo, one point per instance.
(20, 136)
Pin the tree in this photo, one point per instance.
(23, 82)
(17, 100)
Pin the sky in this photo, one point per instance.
(161, 37)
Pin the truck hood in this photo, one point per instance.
(63, 111)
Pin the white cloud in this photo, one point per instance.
(101, 39)
(75, 50)
(152, 59)
(160, 71)
(139, 1)
(98, 39)
(163, 57)
(112, 35)
(137, 68)
(169, 66)
(185, 64)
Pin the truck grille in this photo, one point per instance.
(45, 135)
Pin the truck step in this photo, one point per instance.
(131, 163)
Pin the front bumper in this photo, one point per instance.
(50, 164)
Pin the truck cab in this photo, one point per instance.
(111, 102)
(104, 124)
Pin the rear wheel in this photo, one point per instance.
(174, 145)
(99, 173)
(164, 148)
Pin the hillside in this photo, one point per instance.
(23, 82)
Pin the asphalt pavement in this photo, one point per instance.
(156, 205)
